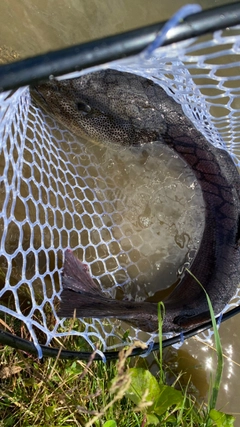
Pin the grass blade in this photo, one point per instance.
(219, 370)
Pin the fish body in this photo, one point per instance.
(123, 108)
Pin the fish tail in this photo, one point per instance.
(75, 304)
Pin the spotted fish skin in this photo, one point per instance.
(124, 108)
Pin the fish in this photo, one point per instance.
(123, 108)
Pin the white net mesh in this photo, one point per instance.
(57, 193)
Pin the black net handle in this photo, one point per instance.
(19, 343)
(31, 70)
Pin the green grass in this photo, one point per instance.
(123, 393)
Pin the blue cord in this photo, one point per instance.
(182, 13)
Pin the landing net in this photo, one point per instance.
(57, 193)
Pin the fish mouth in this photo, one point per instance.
(39, 99)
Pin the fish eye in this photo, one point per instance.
(83, 107)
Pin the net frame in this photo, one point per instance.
(126, 65)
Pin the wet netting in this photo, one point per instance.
(130, 221)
